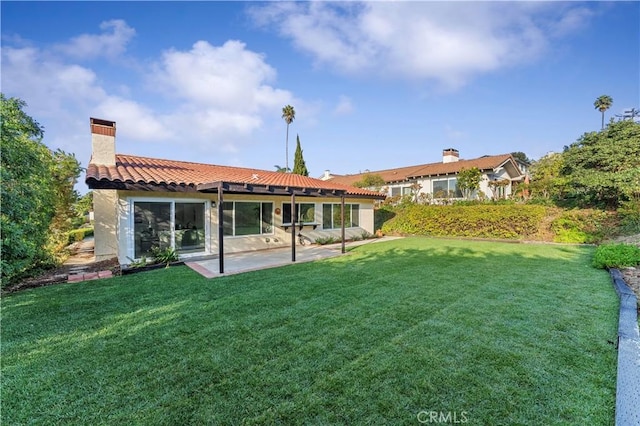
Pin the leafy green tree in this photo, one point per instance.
(370, 180)
(288, 114)
(602, 104)
(547, 181)
(519, 155)
(469, 181)
(603, 168)
(299, 166)
(36, 194)
(81, 208)
(64, 173)
(27, 196)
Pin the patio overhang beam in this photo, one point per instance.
(248, 188)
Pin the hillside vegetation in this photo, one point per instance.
(500, 221)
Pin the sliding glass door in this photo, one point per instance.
(168, 224)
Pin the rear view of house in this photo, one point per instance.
(200, 209)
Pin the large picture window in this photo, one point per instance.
(305, 213)
(247, 218)
(331, 216)
(446, 188)
(168, 224)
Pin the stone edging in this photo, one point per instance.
(628, 376)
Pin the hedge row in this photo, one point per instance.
(475, 221)
(78, 235)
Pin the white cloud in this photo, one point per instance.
(225, 93)
(133, 120)
(112, 42)
(217, 97)
(448, 42)
(228, 76)
(47, 85)
(344, 106)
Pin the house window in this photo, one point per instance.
(396, 191)
(189, 233)
(446, 188)
(305, 213)
(331, 216)
(247, 218)
(162, 224)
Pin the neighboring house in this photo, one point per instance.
(438, 181)
(200, 209)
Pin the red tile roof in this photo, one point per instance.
(158, 172)
(488, 162)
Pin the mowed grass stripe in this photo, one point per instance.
(507, 333)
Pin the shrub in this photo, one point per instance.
(366, 235)
(629, 212)
(78, 235)
(581, 226)
(326, 240)
(616, 256)
(166, 255)
(509, 221)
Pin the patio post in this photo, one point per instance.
(220, 229)
(342, 221)
(293, 227)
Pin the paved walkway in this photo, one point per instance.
(235, 263)
(80, 260)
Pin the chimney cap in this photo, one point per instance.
(102, 122)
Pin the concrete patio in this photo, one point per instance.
(235, 263)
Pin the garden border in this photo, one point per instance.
(628, 376)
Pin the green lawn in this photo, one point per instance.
(490, 333)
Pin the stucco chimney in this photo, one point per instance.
(103, 142)
(450, 155)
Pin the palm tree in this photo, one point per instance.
(602, 104)
(289, 114)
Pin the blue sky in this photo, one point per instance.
(375, 85)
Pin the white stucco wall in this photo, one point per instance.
(116, 207)
(105, 220)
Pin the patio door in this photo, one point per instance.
(180, 225)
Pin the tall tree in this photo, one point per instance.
(281, 169)
(602, 104)
(299, 166)
(547, 181)
(603, 168)
(289, 114)
(64, 174)
(36, 193)
(28, 198)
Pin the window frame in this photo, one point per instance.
(263, 229)
(286, 213)
(451, 193)
(171, 231)
(335, 214)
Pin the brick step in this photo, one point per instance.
(86, 276)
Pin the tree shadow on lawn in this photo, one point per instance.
(380, 334)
